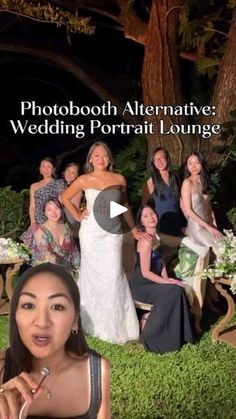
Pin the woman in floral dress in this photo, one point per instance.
(52, 241)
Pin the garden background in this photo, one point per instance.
(155, 52)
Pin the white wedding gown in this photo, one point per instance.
(107, 308)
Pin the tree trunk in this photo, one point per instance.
(224, 98)
(161, 77)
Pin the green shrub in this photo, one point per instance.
(14, 217)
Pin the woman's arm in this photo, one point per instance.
(145, 252)
(15, 391)
(138, 235)
(105, 409)
(186, 192)
(75, 188)
(32, 204)
(147, 191)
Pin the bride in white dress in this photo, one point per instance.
(107, 308)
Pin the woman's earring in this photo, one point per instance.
(74, 332)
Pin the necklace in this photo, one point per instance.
(49, 390)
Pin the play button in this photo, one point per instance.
(116, 209)
(110, 210)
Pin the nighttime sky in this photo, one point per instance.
(26, 77)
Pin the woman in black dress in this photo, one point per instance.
(169, 325)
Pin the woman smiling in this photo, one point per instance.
(45, 331)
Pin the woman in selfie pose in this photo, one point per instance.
(52, 241)
(163, 186)
(45, 331)
(107, 307)
(169, 325)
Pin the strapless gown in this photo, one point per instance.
(197, 233)
(107, 308)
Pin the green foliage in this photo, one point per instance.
(206, 24)
(232, 217)
(13, 212)
(131, 162)
(208, 66)
(49, 13)
(194, 383)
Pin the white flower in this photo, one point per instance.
(9, 249)
(225, 263)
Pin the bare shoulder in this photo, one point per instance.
(145, 245)
(150, 182)
(119, 179)
(35, 186)
(187, 183)
(106, 364)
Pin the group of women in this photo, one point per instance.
(107, 308)
(45, 322)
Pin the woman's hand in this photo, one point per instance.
(139, 235)
(83, 215)
(176, 282)
(213, 230)
(14, 393)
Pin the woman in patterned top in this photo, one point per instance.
(52, 241)
(46, 169)
(46, 331)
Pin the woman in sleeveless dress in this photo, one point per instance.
(169, 324)
(47, 340)
(107, 307)
(163, 186)
(202, 228)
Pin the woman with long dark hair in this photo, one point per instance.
(52, 240)
(202, 228)
(169, 325)
(46, 335)
(37, 190)
(107, 306)
(163, 185)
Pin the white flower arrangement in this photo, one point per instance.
(9, 249)
(225, 263)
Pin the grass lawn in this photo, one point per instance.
(197, 382)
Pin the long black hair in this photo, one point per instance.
(58, 205)
(204, 174)
(139, 224)
(18, 357)
(158, 183)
